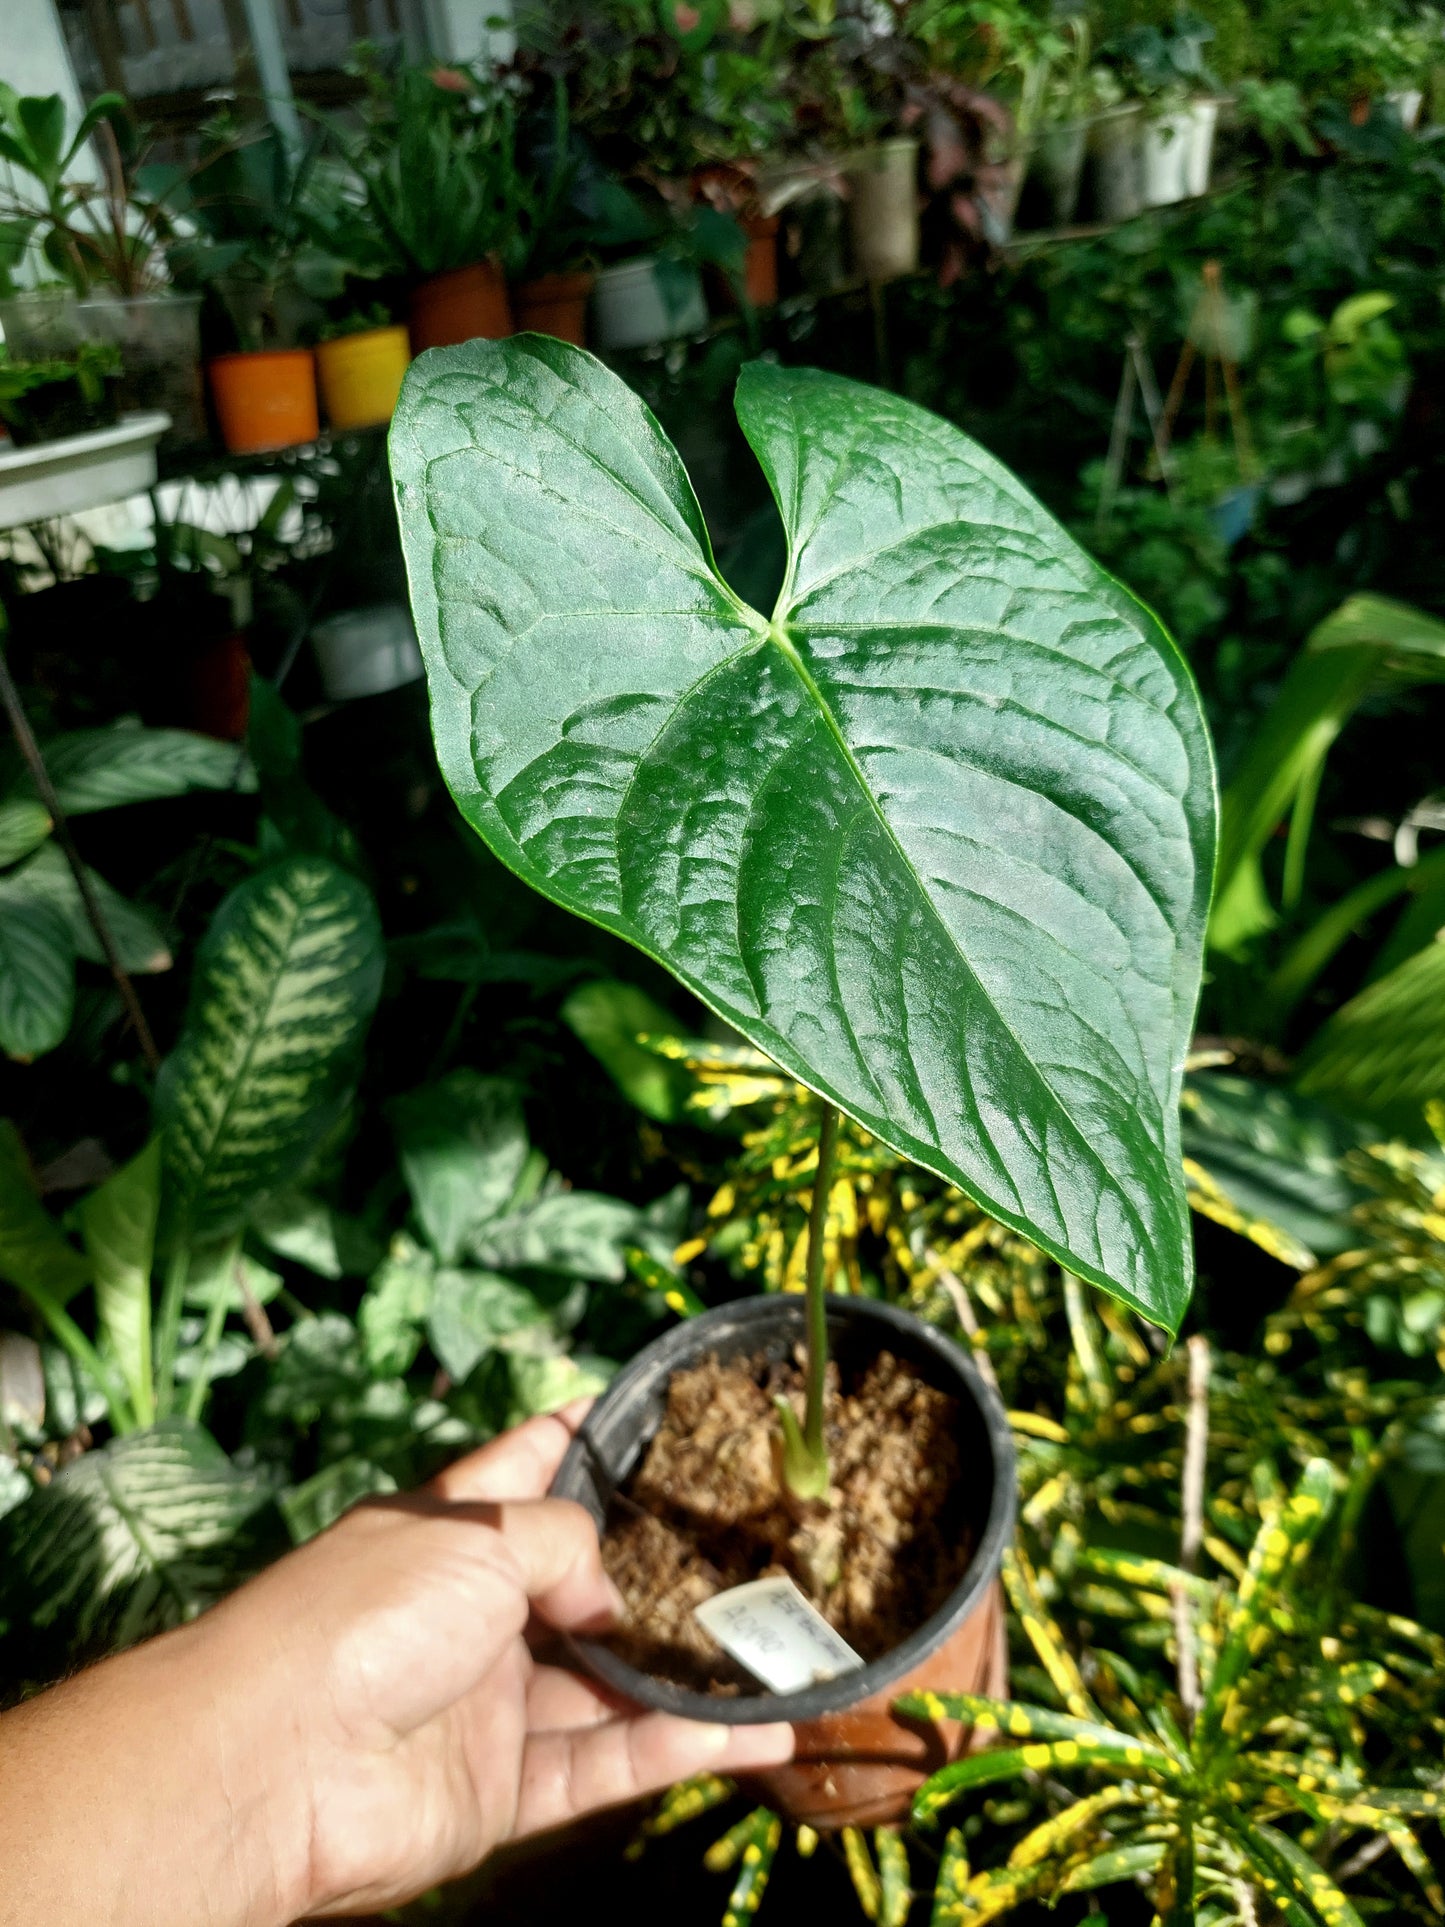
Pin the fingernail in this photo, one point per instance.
(755, 1746)
(616, 1604)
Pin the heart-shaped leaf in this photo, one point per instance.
(938, 837)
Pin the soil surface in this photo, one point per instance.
(706, 1510)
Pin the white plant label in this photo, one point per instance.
(770, 1628)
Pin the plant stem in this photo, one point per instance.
(168, 1327)
(85, 1355)
(201, 1383)
(817, 1308)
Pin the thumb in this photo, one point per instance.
(553, 1543)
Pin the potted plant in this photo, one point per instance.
(108, 241)
(1156, 146)
(651, 290)
(439, 166)
(263, 245)
(937, 836)
(549, 261)
(41, 401)
(360, 361)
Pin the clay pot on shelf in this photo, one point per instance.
(857, 1763)
(265, 400)
(883, 209)
(555, 304)
(360, 376)
(463, 304)
(760, 263)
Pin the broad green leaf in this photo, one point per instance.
(472, 1312)
(137, 1535)
(299, 1227)
(609, 1017)
(393, 1311)
(1274, 1154)
(37, 978)
(1382, 1055)
(216, 1273)
(34, 1253)
(547, 1384)
(24, 826)
(46, 878)
(118, 1224)
(97, 769)
(463, 1144)
(938, 837)
(318, 1503)
(1368, 643)
(578, 1233)
(286, 980)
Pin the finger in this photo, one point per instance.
(552, 1544)
(521, 1464)
(560, 1702)
(566, 1775)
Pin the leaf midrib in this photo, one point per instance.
(782, 641)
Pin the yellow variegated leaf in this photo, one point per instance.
(1208, 1197)
(860, 1868)
(1046, 1840)
(686, 1801)
(1044, 1636)
(952, 1879)
(894, 1880)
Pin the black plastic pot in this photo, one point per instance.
(627, 1415)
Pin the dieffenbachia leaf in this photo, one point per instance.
(285, 984)
(937, 837)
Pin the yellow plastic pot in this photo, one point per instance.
(360, 376)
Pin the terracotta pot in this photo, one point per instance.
(555, 304)
(266, 400)
(760, 264)
(360, 376)
(857, 1763)
(462, 305)
(862, 1767)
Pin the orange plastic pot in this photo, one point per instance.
(461, 305)
(265, 400)
(360, 376)
(555, 304)
(760, 263)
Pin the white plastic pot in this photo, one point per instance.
(79, 471)
(883, 209)
(1405, 103)
(635, 305)
(1178, 152)
(365, 652)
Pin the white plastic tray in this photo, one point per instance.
(79, 471)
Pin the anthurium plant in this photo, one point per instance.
(936, 834)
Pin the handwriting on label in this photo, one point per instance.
(770, 1628)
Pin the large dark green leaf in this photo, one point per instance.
(37, 978)
(286, 981)
(47, 878)
(1382, 1055)
(138, 1535)
(34, 1253)
(578, 1233)
(938, 837)
(96, 769)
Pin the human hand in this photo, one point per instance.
(362, 1721)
